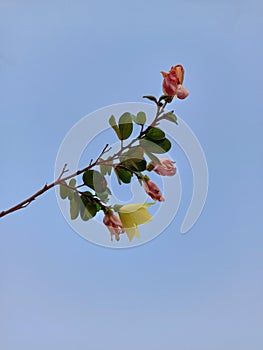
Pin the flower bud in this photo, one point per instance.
(169, 83)
(153, 190)
(172, 82)
(166, 168)
(182, 92)
(114, 225)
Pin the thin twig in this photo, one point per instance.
(47, 187)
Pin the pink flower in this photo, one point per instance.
(153, 190)
(172, 82)
(181, 92)
(166, 168)
(114, 225)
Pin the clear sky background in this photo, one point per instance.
(60, 60)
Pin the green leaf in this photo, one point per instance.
(123, 175)
(103, 196)
(136, 152)
(125, 125)
(63, 190)
(70, 193)
(86, 197)
(151, 98)
(133, 152)
(72, 183)
(89, 207)
(98, 206)
(153, 158)
(93, 208)
(114, 126)
(166, 98)
(89, 211)
(95, 180)
(139, 164)
(75, 206)
(108, 190)
(84, 214)
(134, 164)
(155, 134)
(103, 169)
(106, 169)
(140, 118)
(161, 146)
(171, 117)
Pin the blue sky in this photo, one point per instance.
(60, 60)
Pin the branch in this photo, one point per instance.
(92, 163)
(47, 187)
